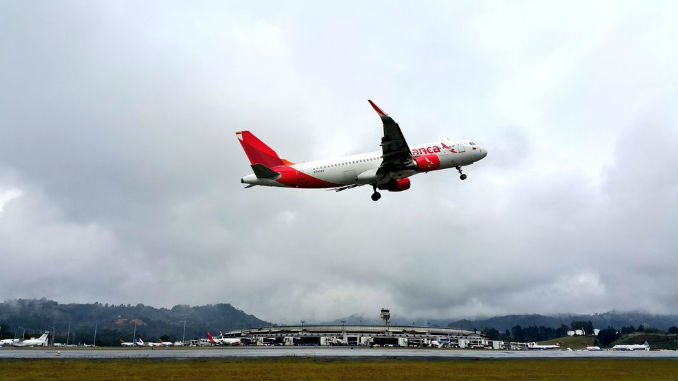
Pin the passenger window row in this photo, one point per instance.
(346, 163)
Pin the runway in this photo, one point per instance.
(317, 352)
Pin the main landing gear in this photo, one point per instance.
(463, 175)
(376, 195)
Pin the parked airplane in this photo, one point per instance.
(41, 341)
(389, 169)
(8, 342)
(229, 340)
(221, 340)
(536, 346)
(632, 347)
(128, 343)
(134, 343)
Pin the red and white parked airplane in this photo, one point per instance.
(389, 169)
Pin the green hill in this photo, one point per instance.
(574, 342)
(115, 322)
(600, 320)
(656, 340)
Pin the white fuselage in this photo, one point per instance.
(41, 341)
(8, 342)
(361, 168)
(631, 347)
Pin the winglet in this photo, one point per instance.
(377, 109)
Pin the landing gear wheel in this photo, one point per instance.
(376, 196)
(463, 176)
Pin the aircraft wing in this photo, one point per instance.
(397, 154)
(342, 188)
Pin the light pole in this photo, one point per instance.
(183, 337)
(343, 331)
(94, 342)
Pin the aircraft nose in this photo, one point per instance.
(483, 153)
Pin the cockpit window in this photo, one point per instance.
(472, 143)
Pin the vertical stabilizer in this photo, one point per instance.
(210, 338)
(257, 151)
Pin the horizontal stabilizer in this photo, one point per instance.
(264, 172)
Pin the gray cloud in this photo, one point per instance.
(119, 169)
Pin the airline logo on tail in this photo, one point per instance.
(210, 338)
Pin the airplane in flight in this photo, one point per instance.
(41, 341)
(389, 169)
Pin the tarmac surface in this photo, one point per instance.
(317, 352)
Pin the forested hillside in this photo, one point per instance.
(115, 322)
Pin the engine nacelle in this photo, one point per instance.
(427, 163)
(397, 185)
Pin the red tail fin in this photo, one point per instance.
(210, 338)
(257, 151)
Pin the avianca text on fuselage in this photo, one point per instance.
(388, 169)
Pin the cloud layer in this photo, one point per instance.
(119, 170)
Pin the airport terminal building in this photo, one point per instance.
(362, 335)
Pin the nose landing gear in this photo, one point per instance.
(376, 195)
(462, 175)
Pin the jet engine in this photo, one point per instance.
(397, 185)
(427, 163)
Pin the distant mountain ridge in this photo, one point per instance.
(600, 320)
(115, 322)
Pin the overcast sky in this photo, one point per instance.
(120, 170)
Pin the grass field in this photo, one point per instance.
(327, 369)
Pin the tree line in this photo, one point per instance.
(540, 333)
(76, 323)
